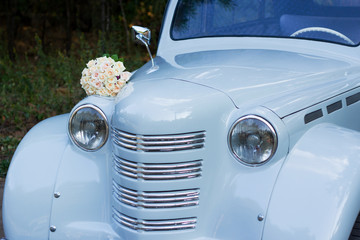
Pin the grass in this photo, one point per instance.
(39, 85)
(7, 148)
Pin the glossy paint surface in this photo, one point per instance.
(31, 178)
(316, 194)
(275, 79)
(308, 190)
(236, 193)
(83, 211)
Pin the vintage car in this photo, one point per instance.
(244, 126)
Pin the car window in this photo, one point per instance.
(325, 20)
(339, 3)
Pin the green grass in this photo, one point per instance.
(8, 146)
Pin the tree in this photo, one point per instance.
(69, 23)
(11, 6)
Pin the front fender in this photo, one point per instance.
(47, 162)
(31, 178)
(317, 193)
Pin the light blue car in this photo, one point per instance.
(244, 126)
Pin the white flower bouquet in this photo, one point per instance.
(104, 76)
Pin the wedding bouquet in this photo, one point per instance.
(104, 76)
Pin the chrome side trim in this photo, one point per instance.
(156, 199)
(154, 225)
(165, 171)
(159, 143)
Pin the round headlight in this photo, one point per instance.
(253, 140)
(88, 127)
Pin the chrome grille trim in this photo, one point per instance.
(159, 143)
(158, 171)
(154, 225)
(156, 199)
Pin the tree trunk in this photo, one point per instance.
(107, 17)
(69, 4)
(103, 25)
(126, 28)
(10, 27)
(43, 30)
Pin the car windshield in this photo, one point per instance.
(334, 21)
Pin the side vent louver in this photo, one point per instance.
(313, 116)
(334, 107)
(353, 99)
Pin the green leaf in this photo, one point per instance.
(115, 57)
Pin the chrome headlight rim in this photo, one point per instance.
(273, 132)
(73, 113)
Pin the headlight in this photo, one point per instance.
(88, 127)
(253, 140)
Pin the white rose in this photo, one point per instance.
(111, 61)
(102, 77)
(110, 86)
(85, 72)
(85, 86)
(112, 79)
(92, 69)
(89, 89)
(110, 72)
(125, 76)
(96, 83)
(91, 63)
(95, 75)
(85, 80)
(100, 60)
(119, 66)
(104, 92)
(105, 65)
(118, 86)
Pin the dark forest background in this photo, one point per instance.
(45, 44)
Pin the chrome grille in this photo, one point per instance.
(159, 143)
(158, 171)
(146, 181)
(154, 225)
(156, 199)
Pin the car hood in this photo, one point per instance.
(284, 82)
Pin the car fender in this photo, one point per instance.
(317, 193)
(30, 181)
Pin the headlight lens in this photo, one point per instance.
(88, 127)
(253, 140)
